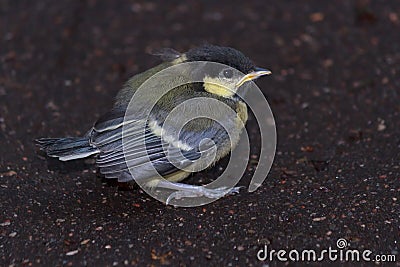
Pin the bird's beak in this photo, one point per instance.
(258, 72)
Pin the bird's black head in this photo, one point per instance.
(224, 81)
(224, 55)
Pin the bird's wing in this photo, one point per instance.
(142, 150)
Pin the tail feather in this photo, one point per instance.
(67, 148)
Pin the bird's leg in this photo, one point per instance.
(186, 190)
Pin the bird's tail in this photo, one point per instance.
(67, 148)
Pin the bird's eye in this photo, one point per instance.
(228, 73)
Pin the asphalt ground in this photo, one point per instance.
(334, 93)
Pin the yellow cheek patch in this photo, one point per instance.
(218, 87)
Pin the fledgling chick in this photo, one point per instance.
(145, 136)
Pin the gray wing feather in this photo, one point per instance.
(142, 151)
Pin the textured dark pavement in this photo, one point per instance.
(334, 93)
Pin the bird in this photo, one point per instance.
(130, 149)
